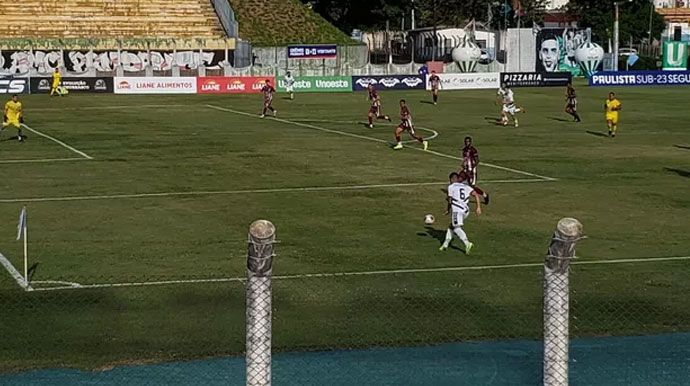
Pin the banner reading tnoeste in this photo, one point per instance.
(318, 84)
(232, 84)
(155, 85)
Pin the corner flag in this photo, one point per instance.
(22, 223)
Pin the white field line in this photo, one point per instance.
(66, 146)
(249, 191)
(72, 285)
(13, 272)
(308, 126)
(42, 160)
(121, 107)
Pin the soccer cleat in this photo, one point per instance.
(505, 123)
(610, 132)
(20, 138)
(442, 248)
(262, 116)
(275, 113)
(388, 118)
(468, 248)
(371, 126)
(486, 199)
(435, 103)
(426, 145)
(398, 146)
(516, 124)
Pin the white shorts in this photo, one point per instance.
(457, 217)
(290, 88)
(511, 109)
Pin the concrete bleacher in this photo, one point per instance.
(181, 19)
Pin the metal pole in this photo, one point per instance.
(651, 14)
(433, 40)
(413, 24)
(557, 301)
(260, 255)
(615, 38)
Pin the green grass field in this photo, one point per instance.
(174, 184)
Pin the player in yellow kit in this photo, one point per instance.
(612, 106)
(56, 82)
(14, 116)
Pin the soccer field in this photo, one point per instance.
(142, 189)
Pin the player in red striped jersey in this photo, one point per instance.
(269, 92)
(406, 125)
(435, 84)
(375, 109)
(470, 161)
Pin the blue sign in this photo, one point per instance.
(313, 52)
(640, 78)
(632, 59)
(389, 82)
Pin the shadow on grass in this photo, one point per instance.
(16, 137)
(682, 147)
(680, 172)
(596, 133)
(560, 119)
(439, 235)
(494, 120)
(427, 102)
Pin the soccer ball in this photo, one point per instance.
(429, 219)
(62, 90)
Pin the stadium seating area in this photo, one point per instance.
(109, 18)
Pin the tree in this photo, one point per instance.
(373, 14)
(634, 19)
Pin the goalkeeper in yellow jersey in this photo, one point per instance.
(612, 106)
(57, 78)
(14, 116)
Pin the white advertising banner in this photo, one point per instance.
(155, 85)
(469, 81)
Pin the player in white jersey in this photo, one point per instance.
(459, 193)
(509, 107)
(290, 85)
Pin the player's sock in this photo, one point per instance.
(426, 145)
(371, 121)
(614, 128)
(435, 98)
(449, 238)
(461, 234)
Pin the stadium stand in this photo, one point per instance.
(182, 19)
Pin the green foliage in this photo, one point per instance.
(372, 15)
(280, 22)
(634, 19)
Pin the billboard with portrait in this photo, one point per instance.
(556, 50)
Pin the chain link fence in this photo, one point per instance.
(629, 324)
